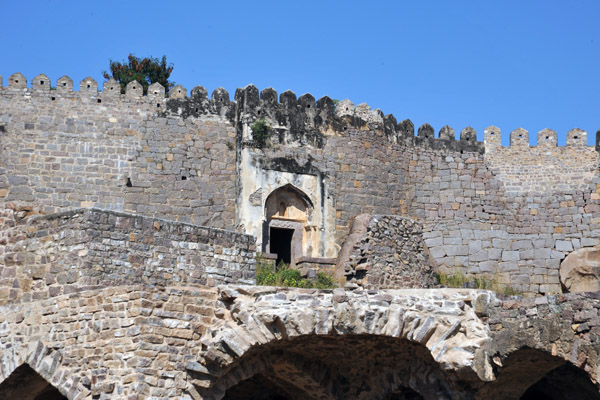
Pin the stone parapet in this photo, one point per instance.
(50, 255)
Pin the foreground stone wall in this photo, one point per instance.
(143, 342)
(50, 255)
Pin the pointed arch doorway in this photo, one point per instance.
(288, 230)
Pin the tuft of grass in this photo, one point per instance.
(282, 275)
(511, 291)
(459, 280)
(455, 280)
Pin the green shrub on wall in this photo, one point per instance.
(260, 132)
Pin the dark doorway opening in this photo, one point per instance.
(281, 244)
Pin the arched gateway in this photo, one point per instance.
(289, 231)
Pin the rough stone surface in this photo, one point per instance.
(580, 270)
(388, 252)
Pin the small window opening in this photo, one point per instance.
(99, 100)
(53, 98)
(158, 105)
(64, 83)
(129, 184)
(197, 109)
(259, 112)
(547, 137)
(492, 133)
(89, 86)
(112, 88)
(16, 81)
(346, 108)
(183, 178)
(41, 82)
(575, 137)
(520, 136)
(345, 128)
(308, 106)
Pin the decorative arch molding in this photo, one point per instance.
(453, 339)
(47, 363)
(293, 189)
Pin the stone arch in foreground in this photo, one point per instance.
(26, 384)
(530, 374)
(337, 344)
(335, 367)
(36, 373)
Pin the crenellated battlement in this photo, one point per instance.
(302, 116)
(546, 139)
(299, 115)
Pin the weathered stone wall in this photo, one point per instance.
(114, 342)
(474, 225)
(390, 253)
(485, 209)
(78, 250)
(63, 150)
(358, 173)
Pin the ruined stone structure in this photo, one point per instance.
(131, 224)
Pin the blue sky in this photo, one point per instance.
(530, 64)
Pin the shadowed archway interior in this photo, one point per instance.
(334, 367)
(566, 382)
(529, 374)
(26, 384)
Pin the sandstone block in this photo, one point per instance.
(580, 270)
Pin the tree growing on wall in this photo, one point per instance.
(144, 70)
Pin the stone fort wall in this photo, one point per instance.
(510, 213)
(45, 256)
